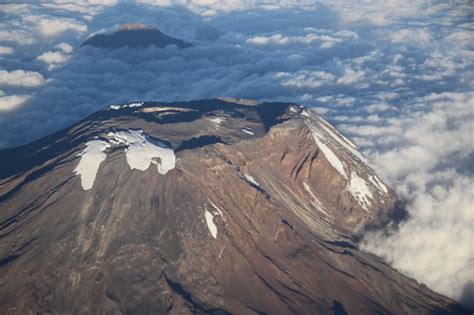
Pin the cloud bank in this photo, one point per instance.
(395, 76)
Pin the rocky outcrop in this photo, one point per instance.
(216, 206)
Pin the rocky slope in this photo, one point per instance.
(214, 206)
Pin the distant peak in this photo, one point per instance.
(136, 26)
(135, 35)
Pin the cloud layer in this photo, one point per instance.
(395, 76)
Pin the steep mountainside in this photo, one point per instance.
(214, 206)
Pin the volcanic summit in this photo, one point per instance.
(223, 206)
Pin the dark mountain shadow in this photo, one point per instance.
(270, 113)
(25, 157)
(197, 142)
(467, 296)
(141, 36)
(338, 308)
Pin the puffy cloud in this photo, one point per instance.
(350, 76)
(9, 102)
(5, 50)
(17, 36)
(65, 47)
(382, 13)
(264, 40)
(326, 38)
(210, 8)
(462, 38)
(88, 8)
(329, 41)
(336, 100)
(21, 78)
(441, 220)
(28, 23)
(53, 58)
(427, 156)
(100, 2)
(301, 79)
(416, 37)
(53, 27)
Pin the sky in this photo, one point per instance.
(395, 76)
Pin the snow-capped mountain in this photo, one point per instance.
(212, 206)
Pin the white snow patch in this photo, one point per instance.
(217, 208)
(349, 141)
(131, 105)
(360, 190)
(252, 180)
(344, 142)
(141, 151)
(217, 120)
(316, 203)
(248, 131)
(377, 182)
(210, 223)
(328, 153)
(139, 104)
(91, 157)
(294, 109)
(306, 113)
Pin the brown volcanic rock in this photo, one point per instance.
(256, 216)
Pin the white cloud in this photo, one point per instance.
(376, 12)
(432, 244)
(429, 77)
(17, 36)
(209, 8)
(14, 8)
(87, 8)
(53, 58)
(5, 50)
(264, 40)
(328, 41)
(100, 2)
(461, 38)
(426, 161)
(350, 76)
(10, 102)
(65, 47)
(382, 13)
(326, 38)
(54, 27)
(21, 78)
(51, 27)
(302, 79)
(337, 100)
(416, 36)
